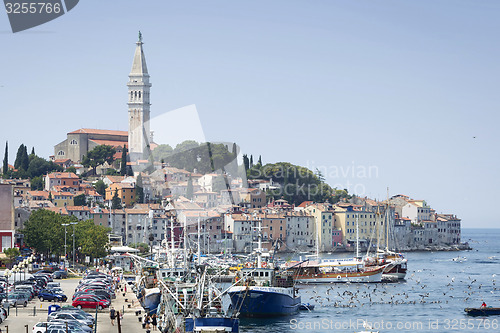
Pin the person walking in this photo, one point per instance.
(112, 315)
(154, 322)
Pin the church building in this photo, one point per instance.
(79, 142)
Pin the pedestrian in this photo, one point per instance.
(483, 305)
(148, 321)
(154, 322)
(112, 315)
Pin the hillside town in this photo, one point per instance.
(222, 225)
(124, 181)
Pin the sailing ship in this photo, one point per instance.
(397, 262)
(338, 270)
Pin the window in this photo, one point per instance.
(60, 153)
(73, 142)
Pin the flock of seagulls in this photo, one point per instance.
(351, 295)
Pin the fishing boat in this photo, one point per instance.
(190, 300)
(261, 290)
(148, 293)
(482, 311)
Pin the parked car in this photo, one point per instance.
(60, 274)
(70, 309)
(15, 300)
(3, 314)
(72, 323)
(73, 326)
(74, 316)
(89, 301)
(50, 295)
(52, 285)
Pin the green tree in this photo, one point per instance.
(251, 161)
(123, 169)
(162, 152)
(6, 159)
(92, 239)
(22, 160)
(44, 232)
(37, 183)
(112, 172)
(139, 194)
(100, 187)
(98, 156)
(80, 200)
(186, 145)
(11, 254)
(260, 160)
(71, 169)
(40, 167)
(50, 197)
(246, 162)
(116, 202)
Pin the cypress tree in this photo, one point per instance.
(251, 161)
(123, 169)
(6, 158)
(19, 156)
(246, 162)
(25, 159)
(116, 202)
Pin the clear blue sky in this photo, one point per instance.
(402, 87)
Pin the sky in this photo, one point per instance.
(398, 95)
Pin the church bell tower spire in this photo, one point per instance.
(138, 105)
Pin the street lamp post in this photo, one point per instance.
(65, 251)
(73, 224)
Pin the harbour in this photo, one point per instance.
(433, 295)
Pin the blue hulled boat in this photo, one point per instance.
(212, 324)
(263, 293)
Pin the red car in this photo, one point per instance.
(88, 301)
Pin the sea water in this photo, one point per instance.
(432, 298)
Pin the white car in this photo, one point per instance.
(3, 314)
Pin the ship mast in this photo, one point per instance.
(357, 235)
(387, 223)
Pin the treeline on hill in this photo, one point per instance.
(297, 184)
(28, 166)
(202, 157)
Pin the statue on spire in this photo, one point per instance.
(140, 36)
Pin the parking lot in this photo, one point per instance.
(37, 311)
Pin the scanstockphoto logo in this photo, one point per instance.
(25, 14)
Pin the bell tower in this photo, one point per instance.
(138, 105)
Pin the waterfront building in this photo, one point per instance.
(324, 224)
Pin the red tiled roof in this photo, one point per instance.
(98, 131)
(113, 143)
(76, 208)
(305, 204)
(63, 175)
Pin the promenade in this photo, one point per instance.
(25, 318)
